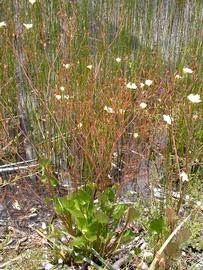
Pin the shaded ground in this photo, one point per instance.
(22, 210)
(23, 204)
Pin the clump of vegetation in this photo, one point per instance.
(93, 230)
(105, 92)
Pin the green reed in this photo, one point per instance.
(153, 39)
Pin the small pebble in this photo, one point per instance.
(48, 266)
(145, 266)
(60, 261)
(44, 226)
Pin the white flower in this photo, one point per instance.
(115, 154)
(89, 67)
(167, 119)
(177, 76)
(118, 59)
(142, 85)
(176, 194)
(143, 105)
(63, 238)
(28, 25)
(187, 70)
(32, 1)
(184, 176)
(108, 109)
(131, 85)
(60, 261)
(79, 125)
(135, 135)
(198, 203)
(67, 66)
(148, 82)
(62, 88)
(194, 98)
(121, 111)
(2, 24)
(44, 226)
(66, 97)
(58, 97)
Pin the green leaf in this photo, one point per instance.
(102, 217)
(44, 179)
(78, 260)
(137, 251)
(77, 206)
(78, 242)
(83, 197)
(66, 206)
(132, 214)
(67, 203)
(91, 236)
(157, 225)
(71, 205)
(58, 206)
(81, 223)
(94, 227)
(104, 201)
(43, 162)
(47, 200)
(54, 182)
(110, 194)
(91, 188)
(92, 232)
(119, 211)
(127, 236)
(107, 237)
